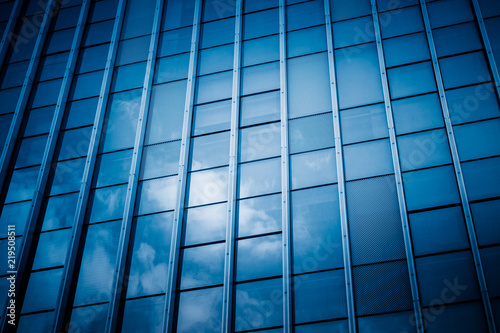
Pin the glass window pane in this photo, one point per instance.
(216, 59)
(93, 58)
(406, 49)
(156, 195)
(259, 142)
(42, 290)
(59, 41)
(205, 224)
(9, 99)
(259, 215)
(202, 266)
(473, 69)
(411, 80)
(86, 85)
(15, 214)
(402, 21)
(138, 19)
(483, 213)
(481, 178)
(368, 159)
(207, 304)
(459, 318)
(363, 124)
(430, 188)
(254, 5)
(320, 296)
(257, 51)
(214, 87)
(314, 168)
(128, 77)
(177, 14)
(392, 322)
(98, 33)
(417, 113)
(309, 85)
(217, 9)
(39, 121)
(212, 117)
(260, 177)
(133, 50)
(143, 315)
(260, 78)
(67, 176)
(175, 41)
(438, 231)
(149, 254)
(260, 108)
(340, 11)
(73, 143)
(52, 249)
(59, 212)
(265, 250)
(160, 160)
(5, 121)
(472, 103)
(53, 66)
(490, 257)
(166, 112)
(477, 140)
(13, 74)
(457, 11)
(358, 76)
(22, 184)
(107, 203)
(114, 168)
(209, 151)
(172, 68)
(261, 24)
(30, 151)
(305, 15)
(96, 323)
(352, 32)
(217, 33)
(45, 93)
(207, 186)
(42, 321)
(457, 39)
(316, 236)
(337, 326)
(311, 133)
(306, 41)
(80, 113)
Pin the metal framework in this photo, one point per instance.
(9, 29)
(70, 263)
(346, 247)
(397, 173)
(458, 172)
(175, 244)
(133, 182)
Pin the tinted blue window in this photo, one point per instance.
(145, 314)
(133, 50)
(156, 195)
(314, 168)
(363, 124)
(216, 59)
(481, 178)
(207, 303)
(305, 15)
(177, 14)
(483, 213)
(490, 257)
(43, 321)
(202, 266)
(384, 5)
(67, 176)
(250, 6)
(217, 33)
(459, 318)
(266, 250)
(39, 121)
(205, 224)
(424, 149)
(160, 160)
(260, 50)
(114, 168)
(209, 151)
(456, 11)
(80, 113)
(368, 159)
(411, 80)
(175, 41)
(259, 215)
(214, 87)
(42, 290)
(417, 113)
(207, 186)
(392, 322)
(473, 69)
(86, 85)
(306, 41)
(340, 11)
(53, 66)
(260, 177)
(472, 103)
(52, 249)
(406, 49)
(172, 68)
(22, 184)
(261, 24)
(30, 151)
(401, 22)
(16, 214)
(13, 74)
(73, 143)
(478, 140)
(138, 19)
(311, 133)
(217, 9)
(9, 99)
(98, 33)
(60, 211)
(59, 41)
(457, 39)
(352, 32)
(212, 117)
(337, 326)
(45, 93)
(260, 108)
(80, 317)
(260, 78)
(259, 142)
(107, 203)
(128, 77)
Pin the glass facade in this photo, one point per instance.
(250, 165)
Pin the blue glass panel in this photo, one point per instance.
(209, 151)
(217, 33)
(368, 159)
(138, 19)
(80, 113)
(45, 93)
(98, 33)
(492, 25)
(259, 215)
(52, 248)
(489, 8)
(457, 39)
(472, 103)
(308, 85)
(205, 224)
(149, 254)
(67, 176)
(250, 6)
(260, 108)
(207, 186)
(456, 11)
(107, 203)
(384, 5)
(258, 305)
(406, 49)
(417, 113)
(260, 177)
(356, 8)
(172, 68)
(114, 168)
(411, 80)
(15, 214)
(128, 77)
(478, 140)
(430, 188)
(13, 74)
(483, 213)
(160, 160)
(39, 121)
(89, 318)
(22, 184)
(133, 50)
(42, 290)
(30, 151)
(481, 178)
(9, 99)
(73, 143)
(93, 58)
(320, 296)
(316, 229)
(202, 266)
(207, 304)
(393, 322)
(261, 24)
(352, 32)
(98, 263)
(177, 14)
(67, 17)
(305, 15)
(311, 133)
(53, 66)
(424, 149)
(401, 22)
(447, 277)
(103, 10)
(166, 112)
(314, 168)
(260, 78)
(212, 117)
(175, 41)
(156, 195)
(306, 41)
(5, 121)
(363, 124)
(438, 231)
(358, 76)
(59, 211)
(213, 87)
(86, 85)
(339, 326)
(217, 9)
(59, 41)
(259, 142)
(473, 69)
(265, 250)
(43, 321)
(260, 50)
(143, 315)
(490, 257)
(216, 59)
(460, 318)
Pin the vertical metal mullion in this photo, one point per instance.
(9, 29)
(397, 172)
(233, 177)
(285, 177)
(78, 221)
(173, 264)
(51, 144)
(133, 182)
(346, 247)
(458, 172)
(22, 101)
(487, 46)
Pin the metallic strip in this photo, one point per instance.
(228, 294)
(458, 172)
(9, 29)
(487, 45)
(285, 178)
(173, 263)
(128, 214)
(397, 173)
(351, 314)
(70, 264)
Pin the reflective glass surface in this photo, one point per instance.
(205, 224)
(209, 151)
(260, 177)
(259, 142)
(202, 266)
(156, 195)
(265, 250)
(259, 215)
(314, 168)
(207, 304)
(207, 186)
(368, 159)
